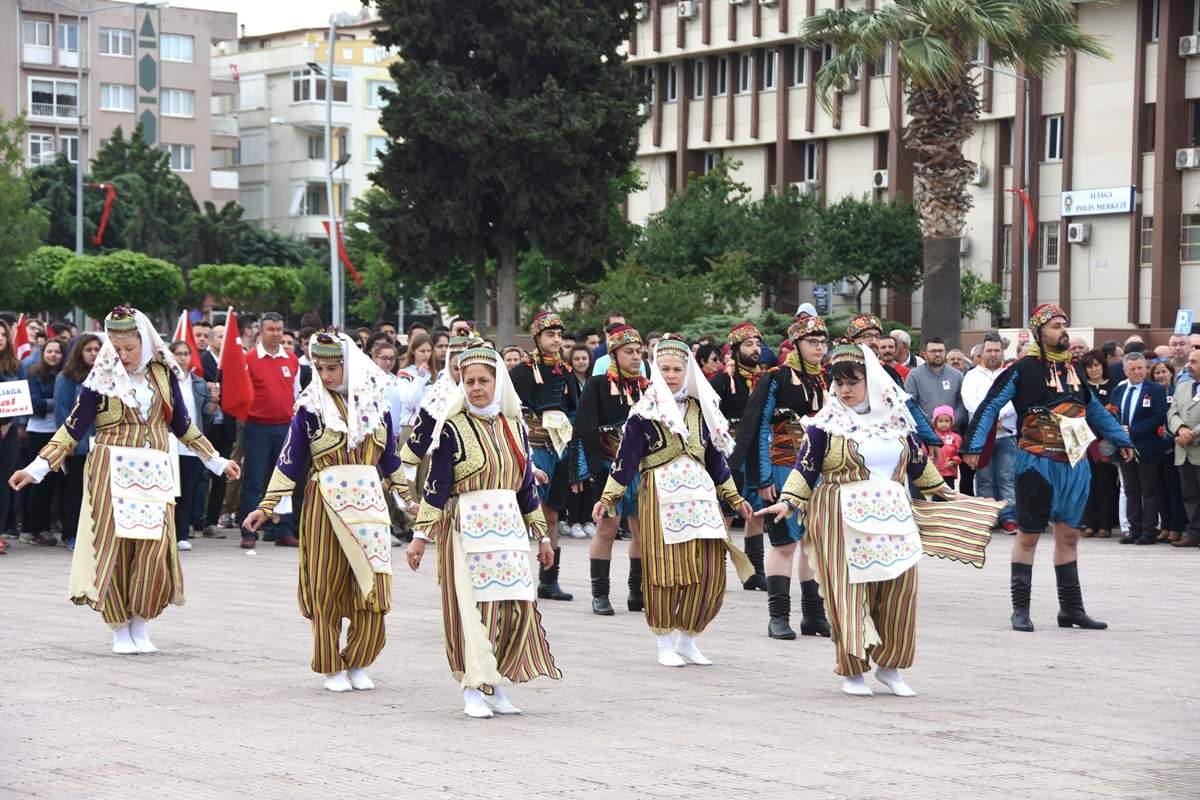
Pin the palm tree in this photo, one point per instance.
(938, 42)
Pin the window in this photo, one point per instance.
(1148, 125)
(316, 147)
(1006, 273)
(374, 99)
(800, 66)
(51, 97)
(314, 200)
(812, 163)
(698, 68)
(68, 37)
(1150, 20)
(1053, 134)
(177, 47)
(41, 149)
(116, 97)
(722, 76)
(745, 72)
(1194, 123)
(672, 82)
(883, 62)
(116, 42)
(1146, 242)
(69, 146)
(375, 147)
(1049, 250)
(826, 53)
(308, 86)
(650, 79)
(1189, 238)
(769, 60)
(177, 102)
(35, 33)
(183, 157)
(711, 157)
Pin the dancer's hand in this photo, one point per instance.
(778, 512)
(577, 487)
(540, 477)
(971, 460)
(746, 510)
(254, 520)
(545, 555)
(414, 553)
(767, 493)
(598, 512)
(233, 471)
(1127, 454)
(19, 480)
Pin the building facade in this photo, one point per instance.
(78, 70)
(1113, 147)
(280, 105)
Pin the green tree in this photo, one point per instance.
(248, 286)
(25, 222)
(32, 279)
(99, 283)
(778, 235)
(216, 235)
(509, 124)
(52, 187)
(871, 243)
(316, 291)
(258, 245)
(938, 42)
(979, 295)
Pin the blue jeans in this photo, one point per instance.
(261, 445)
(997, 480)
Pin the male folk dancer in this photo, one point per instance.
(546, 397)
(603, 408)
(1055, 407)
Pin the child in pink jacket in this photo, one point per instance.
(947, 460)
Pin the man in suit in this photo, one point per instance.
(1143, 407)
(1183, 422)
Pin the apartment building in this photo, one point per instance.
(280, 106)
(79, 69)
(1114, 147)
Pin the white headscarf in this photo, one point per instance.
(363, 385)
(505, 401)
(887, 415)
(659, 404)
(109, 377)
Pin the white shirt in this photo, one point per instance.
(1129, 402)
(975, 386)
(881, 457)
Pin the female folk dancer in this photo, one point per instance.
(125, 564)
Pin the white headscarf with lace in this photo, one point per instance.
(886, 417)
(109, 376)
(659, 404)
(363, 384)
(505, 400)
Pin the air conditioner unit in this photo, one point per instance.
(643, 109)
(737, 2)
(851, 86)
(1078, 232)
(964, 246)
(768, 2)
(642, 12)
(879, 179)
(980, 177)
(845, 287)
(1189, 46)
(688, 9)
(805, 187)
(1187, 158)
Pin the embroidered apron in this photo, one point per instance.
(558, 426)
(687, 502)
(143, 484)
(495, 545)
(880, 535)
(356, 509)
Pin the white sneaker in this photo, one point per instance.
(891, 678)
(397, 541)
(666, 652)
(183, 544)
(576, 531)
(140, 636)
(123, 643)
(564, 529)
(474, 705)
(499, 703)
(359, 679)
(855, 685)
(338, 682)
(589, 528)
(685, 646)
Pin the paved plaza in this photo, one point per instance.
(229, 707)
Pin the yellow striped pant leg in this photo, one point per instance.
(701, 601)
(151, 581)
(367, 634)
(845, 603)
(328, 572)
(894, 611)
(661, 603)
(519, 641)
(114, 605)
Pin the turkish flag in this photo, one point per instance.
(183, 333)
(21, 338)
(237, 392)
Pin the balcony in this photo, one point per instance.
(37, 54)
(224, 132)
(224, 87)
(223, 179)
(56, 111)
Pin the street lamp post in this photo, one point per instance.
(335, 273)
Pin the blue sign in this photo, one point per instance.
(822, 294)
(1183, 321)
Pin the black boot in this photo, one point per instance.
(779, 606)
(548, 588)
(637, 602)
(600, 604)
(812, 611)
(1070, 600)
(753, 545)
(1022, 585)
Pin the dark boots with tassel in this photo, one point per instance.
(812, 611)
(779, 606)
(637, 601)
(548, 588)
(1070, 600)
(753, 547)
(600, 604)
(1022, 585)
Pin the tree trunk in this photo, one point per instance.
(942, 291)
(876, 300)
(481, 292)
(506, 297)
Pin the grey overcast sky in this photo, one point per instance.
(263, 16)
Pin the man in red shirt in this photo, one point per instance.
(275, 374)
(887, 355)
